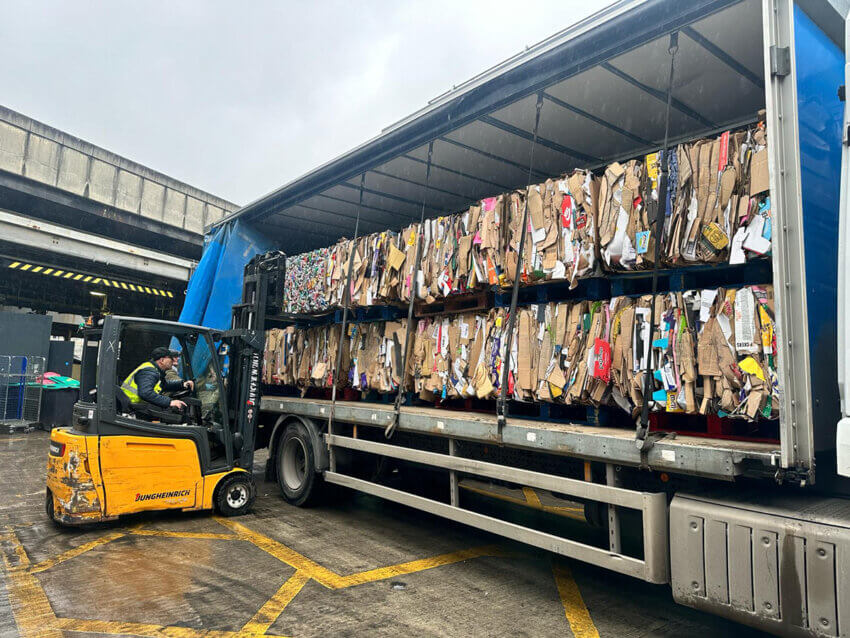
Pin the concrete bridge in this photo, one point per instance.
(69, 206)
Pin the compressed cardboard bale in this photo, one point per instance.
(305, 290)
(622, 217)
(712, 351)
(673, 354)
(721, 211)
(560, 237)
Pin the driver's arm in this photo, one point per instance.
(146, 380)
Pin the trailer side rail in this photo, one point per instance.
(723, 460)
(652, 505)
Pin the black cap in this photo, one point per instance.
(159, 353)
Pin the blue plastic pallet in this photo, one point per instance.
(757, 271)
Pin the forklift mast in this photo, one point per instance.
(262, 296)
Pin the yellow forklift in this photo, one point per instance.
(119, 458)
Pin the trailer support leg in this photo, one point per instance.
(612, 480)
(453, 483)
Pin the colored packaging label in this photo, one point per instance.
(723, 160)
(715, 236)
(642, 242)
(602, 360)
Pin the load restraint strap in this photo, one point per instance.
(501, 402)
(391, 428)
(642, 440)
(346, 302)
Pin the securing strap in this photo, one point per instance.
(346, 302)
(643, 443)
(501, 402)
(391, 428)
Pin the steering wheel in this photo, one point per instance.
(183, 393)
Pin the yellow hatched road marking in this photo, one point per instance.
(30, 606)
(283, 553)
(270, 612)
(414, 566)
(76, 551)
(530, 499)
(574, 608)
(331, 580)
(34, 615)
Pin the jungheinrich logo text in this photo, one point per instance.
(156, 495)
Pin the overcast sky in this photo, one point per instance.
(239, 98)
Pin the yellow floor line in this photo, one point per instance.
(283, 553)
(115, 628)
(414, 566)
(76, 551)
(576, 513)
(270, 612)
(30, 607)
(168, 534)
(577, 614)
(532, 498)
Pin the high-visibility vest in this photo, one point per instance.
(132, 390)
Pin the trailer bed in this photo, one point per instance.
(671, 453)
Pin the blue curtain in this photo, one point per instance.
(216, 283)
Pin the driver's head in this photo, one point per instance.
(164, 358)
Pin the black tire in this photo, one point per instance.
(48, 505)
(235, 495)
(296, 466)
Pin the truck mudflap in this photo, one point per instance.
(778, 562)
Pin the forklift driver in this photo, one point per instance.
(147, 381)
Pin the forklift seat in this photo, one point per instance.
(145, 410)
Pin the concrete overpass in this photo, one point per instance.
(109, 225)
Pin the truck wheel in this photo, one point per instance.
(296, 466)
(236, 494)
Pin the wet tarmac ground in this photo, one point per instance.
(353, 567)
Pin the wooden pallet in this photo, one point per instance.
(469, 302)
(555, 291)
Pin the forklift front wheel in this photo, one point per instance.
(236, 494)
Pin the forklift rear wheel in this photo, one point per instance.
(48, 508)
(296, 465)
(236, 494)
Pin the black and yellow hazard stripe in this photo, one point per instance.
(92, 280)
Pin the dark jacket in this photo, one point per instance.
(147, 378)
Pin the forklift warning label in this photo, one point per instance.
(151, 497)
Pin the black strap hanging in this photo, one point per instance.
(391, 428)
(346, 302)
(644, 443)
(501, 402)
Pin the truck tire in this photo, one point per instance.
(296, 466)
(235, 494)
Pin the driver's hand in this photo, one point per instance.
(177, 403)
(189, 385)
